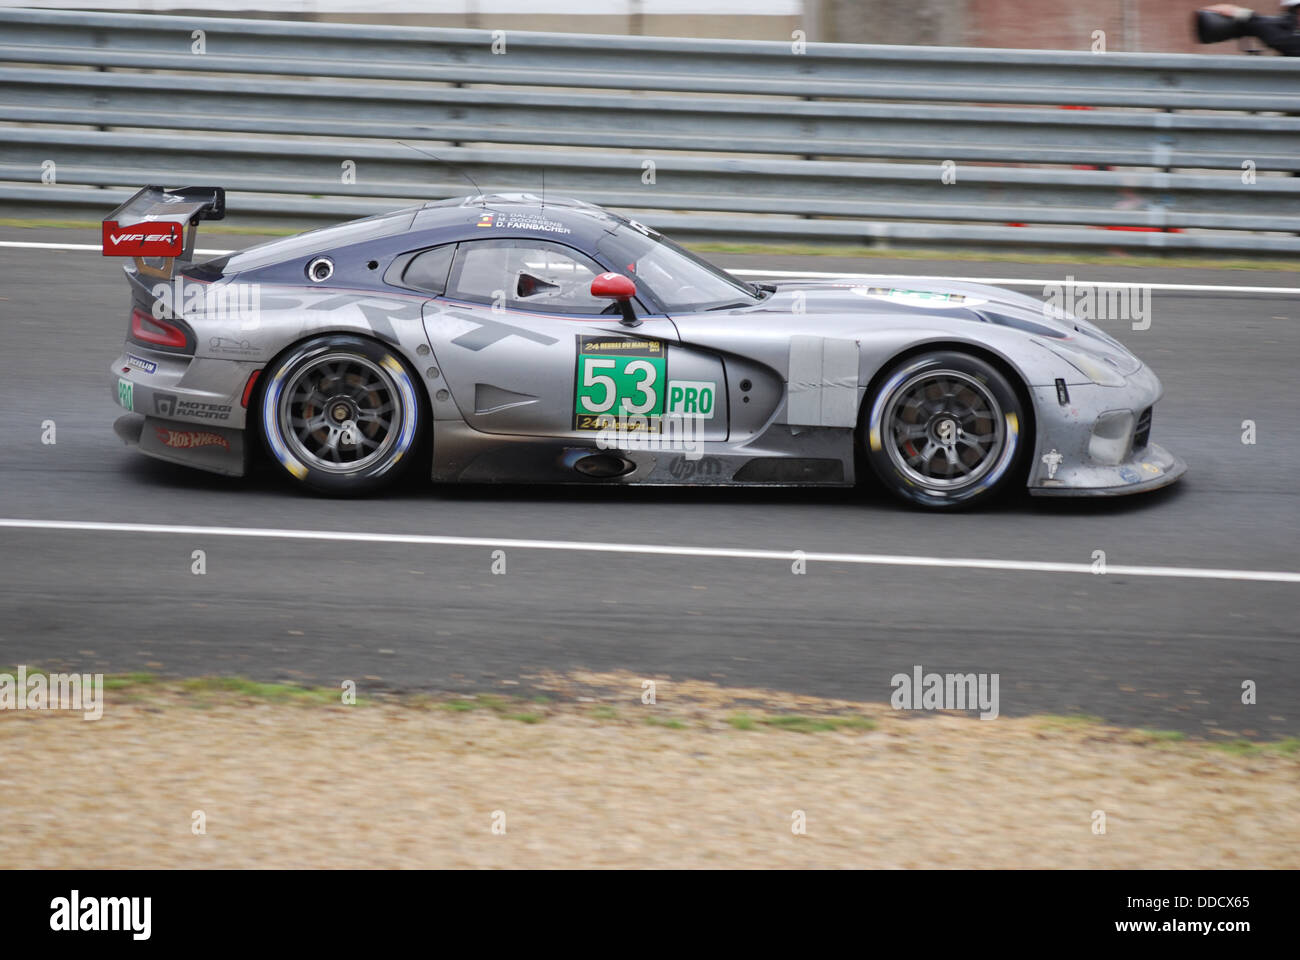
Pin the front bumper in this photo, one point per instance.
(1149, 469)
(1066, 456)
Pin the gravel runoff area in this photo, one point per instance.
(578, 772)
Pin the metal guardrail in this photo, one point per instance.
(747, 139)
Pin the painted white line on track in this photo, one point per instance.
(581, 546)
(1013, 281)
(818, 275)
(86, 247)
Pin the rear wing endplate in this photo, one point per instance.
(154, 222)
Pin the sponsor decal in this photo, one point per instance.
(1151, 468)
(191, 439)
(140, 363)
(918, 298)
(126, 394)
(161, 239)
(692, 398)
(619, 381)
(170, 405)
(642, 228)
(1052, 461)
(1129, 475)
(230, 346)
(668, 433)
(684, 468)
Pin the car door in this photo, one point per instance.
(526, 349)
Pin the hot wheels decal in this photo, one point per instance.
(190, 439)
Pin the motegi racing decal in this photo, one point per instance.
(170, 405)
(619, 380)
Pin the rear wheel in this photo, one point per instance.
(340, 415)
(944, 430)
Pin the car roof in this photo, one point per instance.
(513, 214)
(479, 216)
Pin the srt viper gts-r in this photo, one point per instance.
(518, 340)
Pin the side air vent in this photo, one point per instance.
(1142, 433)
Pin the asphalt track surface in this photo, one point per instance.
(1165, 653)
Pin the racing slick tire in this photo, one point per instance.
(945, 430)
(341, 415)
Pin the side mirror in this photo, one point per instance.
(615, 286)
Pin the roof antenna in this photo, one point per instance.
(462, 172)
(543, 188)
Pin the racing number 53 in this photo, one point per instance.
(646, 387)
(590, 378)
(620, 385)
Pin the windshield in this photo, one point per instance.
(681, 281)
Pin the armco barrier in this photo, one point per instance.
(709, 138)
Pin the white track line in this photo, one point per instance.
(87, 247)
(818, 275)
(875, 559)
(1013, 281)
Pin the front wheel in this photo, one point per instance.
(944, 430)
(340, 415)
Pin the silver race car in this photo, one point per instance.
(507, 338)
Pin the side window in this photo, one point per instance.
(526, 275)
(426, 270)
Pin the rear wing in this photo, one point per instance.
(153, 224)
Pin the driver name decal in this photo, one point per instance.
(540, 224)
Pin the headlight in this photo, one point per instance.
(1095, 370)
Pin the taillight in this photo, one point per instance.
(147, 328)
